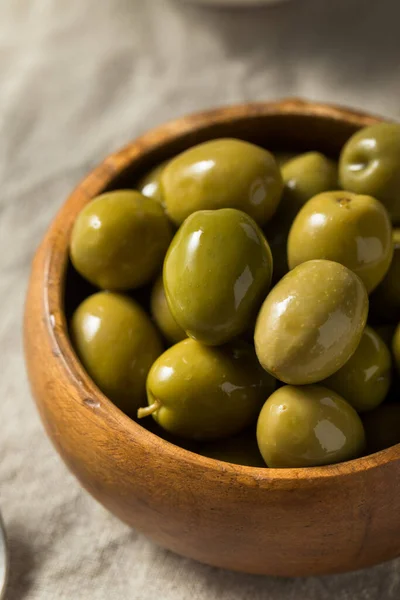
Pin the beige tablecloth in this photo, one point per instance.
(79, 78)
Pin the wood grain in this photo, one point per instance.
(267, 521)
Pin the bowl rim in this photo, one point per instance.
(56, 261)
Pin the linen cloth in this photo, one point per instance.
(79, 78)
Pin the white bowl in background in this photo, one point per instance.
(238, 3)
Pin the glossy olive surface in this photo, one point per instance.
(382, 426)
(308, 426)
(207, 393)
(162, 315)
(365, 379)
(311, 322)
(396, 348)
(217, 273)
(241, 449)
(117, 344)
(119, 240)
(306, 176)
(150, 184)
(369, 164)
(223, 173)
(385, 302)
(350, 229)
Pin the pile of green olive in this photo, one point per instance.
(250, 302)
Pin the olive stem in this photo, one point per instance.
(148, 410)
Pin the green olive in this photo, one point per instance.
(306, 176)
(150, 184)
(308, 426)
(369, 164)
(382, 427)
(205, 393)
(365, 379)
(119, 240)
(241, 449)
(385, 301)
(311, 322)
(396, 348)
(222, 173)
(217, 272)
(162, 314)
(117, 344)
(352, 230)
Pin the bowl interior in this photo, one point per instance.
(297, 131)
(279, 127)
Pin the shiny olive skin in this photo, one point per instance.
(222, 173)
(365, 379)
(369, 164)
(117, 344)
(385, 301)
(396, 348)
(311, 322)
(352, 230)
(308, 426)
(162, 315)
(203, 393)
(306, 176)
(119, 240)
(217, 273)
(382, 427)
(241, 449)
(150, 184)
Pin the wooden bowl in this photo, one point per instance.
(267, 521)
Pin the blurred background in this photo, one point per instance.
(78, 80)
